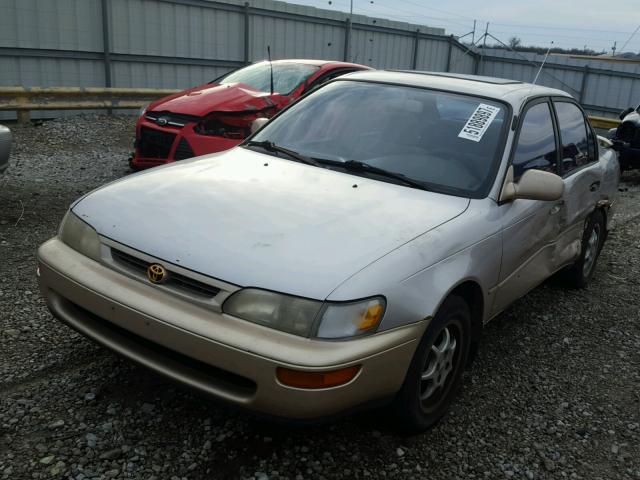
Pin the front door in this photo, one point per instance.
(530, 228)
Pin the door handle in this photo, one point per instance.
(556, 208)
(594, 186)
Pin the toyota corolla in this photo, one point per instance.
(346, 254)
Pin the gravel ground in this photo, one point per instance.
(554, 392)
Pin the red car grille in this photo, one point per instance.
(171, 119)
(154, 143)
(183, 151)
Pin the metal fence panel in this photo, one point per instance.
(59, 24)
(382, 50)
(157, 75)
(150, 27)
(50, 72)
(180, 43)
(290, 38)
(432, 55)
(462, 60)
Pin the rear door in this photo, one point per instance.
(530, 227)
(581, 172)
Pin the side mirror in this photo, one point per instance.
(533, 185)
(257, 124)
(626, 112)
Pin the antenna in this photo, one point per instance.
(270, 66)
(542, 64)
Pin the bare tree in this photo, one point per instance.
(514, 42)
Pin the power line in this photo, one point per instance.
(436, 9)
(625, 43)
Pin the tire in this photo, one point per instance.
(445, 368)
(580, 273)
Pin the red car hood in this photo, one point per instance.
(235, 97)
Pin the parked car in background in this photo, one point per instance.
(349, 252)
(217, 116)
(5, 147)
(626, 138)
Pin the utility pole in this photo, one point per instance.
(473, 33)
(613, 49)
(484, 45)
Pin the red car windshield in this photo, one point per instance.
(286, 76)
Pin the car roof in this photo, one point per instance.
(512, 91)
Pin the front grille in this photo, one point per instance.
(183, 151)
(154, 143)
(171, 119)
(174, 281)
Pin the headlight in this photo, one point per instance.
(304, 317)
(80, 236)
(282, 312)
(143, 110)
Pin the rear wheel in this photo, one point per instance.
(580, 273)
(436, 370)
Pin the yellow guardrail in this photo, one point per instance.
(24, 100)
(604, 122)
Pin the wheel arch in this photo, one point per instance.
(471, 292)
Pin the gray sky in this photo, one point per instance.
(568, 23)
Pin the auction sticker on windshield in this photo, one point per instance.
(479, 122)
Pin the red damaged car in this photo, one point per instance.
(218, 116)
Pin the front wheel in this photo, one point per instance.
(435, 372)
(580, 273)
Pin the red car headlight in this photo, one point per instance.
(233, 125)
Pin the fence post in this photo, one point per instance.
(450, 42)
(106, 43)
(23, 117)
(416, 42)
(246, 33)
(583, 86)
(347, 38)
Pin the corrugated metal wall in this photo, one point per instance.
(603, 88)
(181, 43)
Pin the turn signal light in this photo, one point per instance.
(314, 380)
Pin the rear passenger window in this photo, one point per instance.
(536, 143)
(573, 133)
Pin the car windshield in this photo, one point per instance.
(450, 143)
(286, 76)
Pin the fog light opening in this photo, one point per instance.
(315, 380)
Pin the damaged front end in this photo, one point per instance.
(200, 122)
(626, 139)
(232, 125)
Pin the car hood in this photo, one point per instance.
(252, 219)
(200, 101)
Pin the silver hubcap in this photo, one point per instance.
(438, 365)
(591, 250)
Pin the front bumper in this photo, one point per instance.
(175, 144)
(215, 353)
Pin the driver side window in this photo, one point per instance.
(536, 143)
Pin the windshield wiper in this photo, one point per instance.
(357, 166)
(272, 147)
